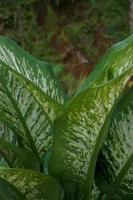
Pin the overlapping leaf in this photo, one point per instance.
(38, 72)
(8, 191)
(31, 99)
(34, 185)
(7, 134)
(22, 113)
(117, 60)
(115, 166)
(18, 157)
(37, 76)
(81, 130)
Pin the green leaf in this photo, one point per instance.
(3, 163)
(30, 97)
(8, 191)
(17, 157)
(95, 192)
(20, 111)
(7, 134)
(34, 185)
(116, 61)
(37, 76)
(80, 132)
(115, 164)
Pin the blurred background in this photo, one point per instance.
(72, 35)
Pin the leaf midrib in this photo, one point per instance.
(20, 116)
(120, 176)
(98, 144)
(48, 97)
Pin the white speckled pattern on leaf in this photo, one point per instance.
(115, 166)
(37, 76)
(116, 61)
(21, 112)
(81, 131)
(9, 192)
(34, 185)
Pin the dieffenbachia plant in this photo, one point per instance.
(52, 148)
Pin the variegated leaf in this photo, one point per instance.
(80, 132)
(7, 134)
(18, 157)
(115, 164)
(37, 76)
(116, 61)
(9, 192)
(34, 185)
(20, 111)
(95, 194)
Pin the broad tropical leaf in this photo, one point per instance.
(34, 185)
(32, 108)
(22, 114)
(9, 192)
(6, 134)
(18, 157)
(37, 76)
(115, 165)
(117, 60)
(80, 132)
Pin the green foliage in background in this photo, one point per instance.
(52, 148)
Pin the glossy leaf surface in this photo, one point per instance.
(18, 157)
(37, 76)
(115, 165)
(22, 114)
(7, 134)
(74, 165)
(80, 132)
(34, 185)
(9, 192)
(116, 61)
(38, 72)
